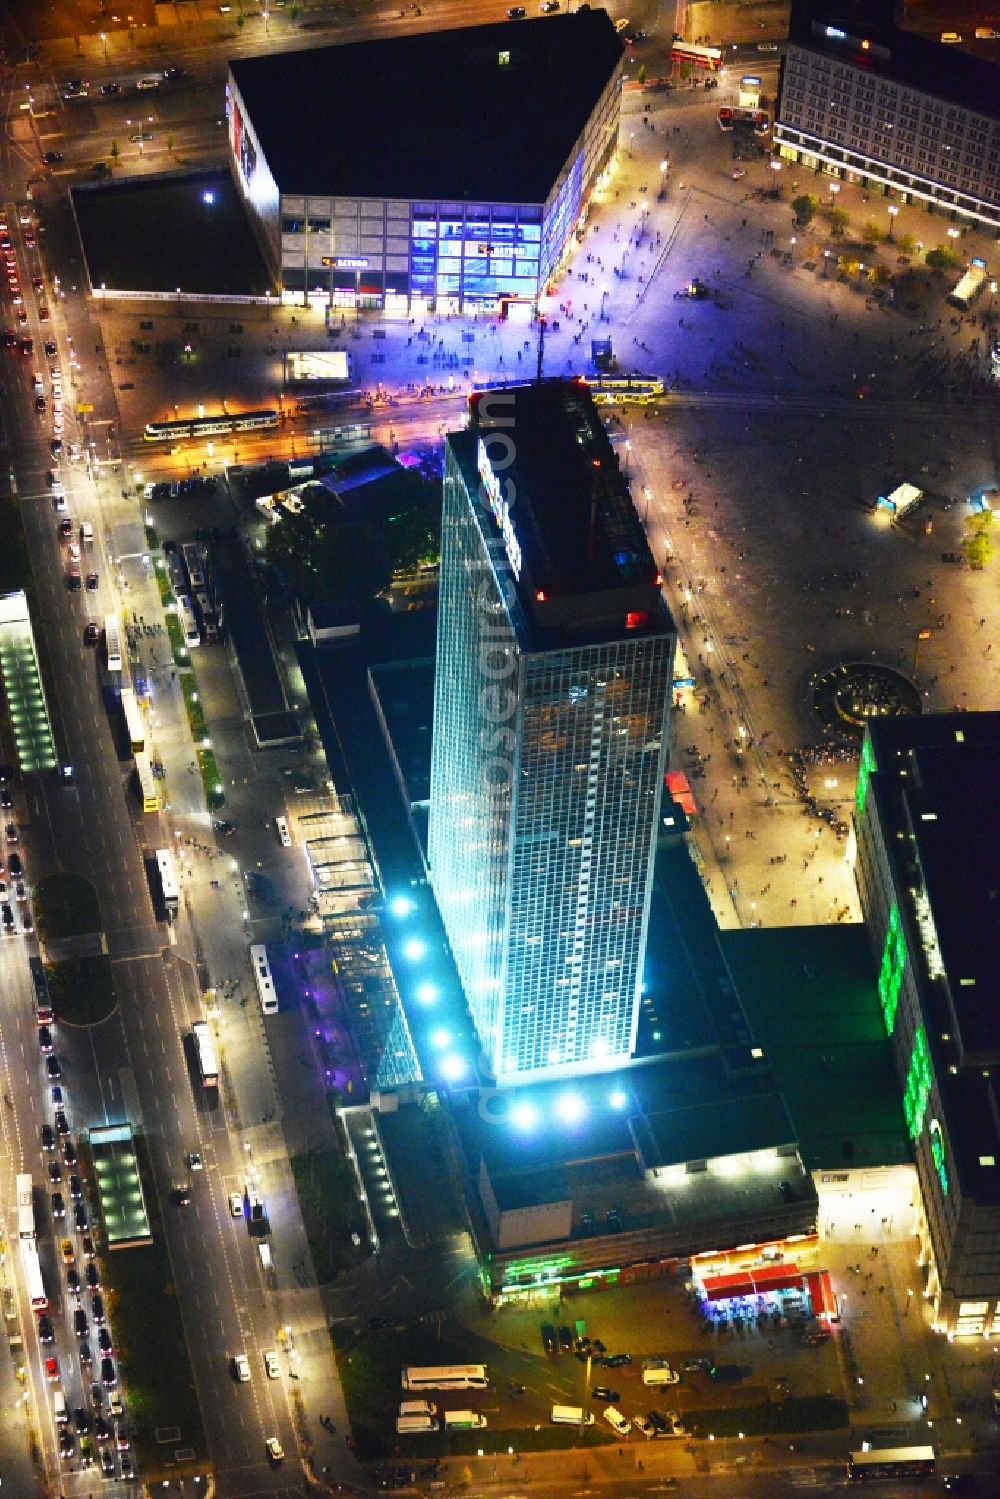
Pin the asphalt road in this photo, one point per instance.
(134, 1064)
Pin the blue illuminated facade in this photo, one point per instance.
(478, 252)
(388, 250)
(552, 689)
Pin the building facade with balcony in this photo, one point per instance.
(444, 170)
(927, 830)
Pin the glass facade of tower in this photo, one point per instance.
(473, 756)
(546, 780)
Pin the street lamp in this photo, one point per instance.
(954, 233)
(104, 39)
(834, 189)
(893, 211)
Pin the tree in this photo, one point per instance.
(871, 232)
(879, 275)
(804, 208)
(848, 265)
(907, 244)
(839, 222)
(977, 543)
(641, 75)
(942, 258)
(329, 555)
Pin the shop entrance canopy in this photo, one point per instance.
(752, 1282)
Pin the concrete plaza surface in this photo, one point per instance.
(755, 477)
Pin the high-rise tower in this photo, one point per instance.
(554, 666)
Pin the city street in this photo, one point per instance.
(795, 400)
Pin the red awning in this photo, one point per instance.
(777, 1278)
(752, 1281)
(824, 1303)
(720, 1287)
(680, 791)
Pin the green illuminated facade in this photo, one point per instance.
(891, 972)
(927, 824)
(22, 686)
(864, 773)
(938, 1153)
(918, 1084)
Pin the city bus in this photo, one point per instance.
(890, 1462)
(168, 881)
(210, 426)
(445, 1377)
(266, 992)
(148, 794)
(25, 1209)
(43, 999)
(189, 625)
(192, 561)
(134, 727)
(696, 56)
(207, 1064)
(33, 1276)
(113, 642)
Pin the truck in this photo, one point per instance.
(570, 1415)
(412, 1424)
(463, 1421)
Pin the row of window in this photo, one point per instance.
(903, 178)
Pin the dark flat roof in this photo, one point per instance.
(936, 68)
(675, 1109)
(935, 782)
(585, 565)
(810, 994)
(432, 115)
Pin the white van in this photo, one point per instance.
(87, 533)
(38, 386)
(406, 1424)
(619, 1423)
(59, 1407)
(417, 1408)
(570, 1415)
(463, 1421)
(264, 1250)
(284, 836)
(659, 1375)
